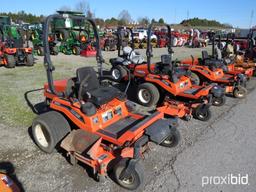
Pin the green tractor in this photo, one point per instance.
(36, 37)
(72, 36)
(61, 27)
(75, 43)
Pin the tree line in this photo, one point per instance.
(204, 23)
(22, 16)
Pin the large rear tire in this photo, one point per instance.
(40, 51)
(10, 59)
(147, 94)
(76, 50)
(49, 129)
(63, 35)
(30, 60)
(55, 50)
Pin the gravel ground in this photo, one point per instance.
(219, 146)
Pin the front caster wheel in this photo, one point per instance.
(131, 181)
(218, 101)
(240, 92)
(202, 113)
(172, 140)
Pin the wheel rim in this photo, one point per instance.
(74, 51)
(40, 135)
(144, 95)
(240, 93)
(116, 74)
(169, 140)
(128, 181)
(217, 101)
(61, 36)
(202, 114)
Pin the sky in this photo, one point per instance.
(236, 12)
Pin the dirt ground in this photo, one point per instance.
(20, 99)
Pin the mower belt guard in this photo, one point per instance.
(159, 131)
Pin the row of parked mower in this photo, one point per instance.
(94, 122)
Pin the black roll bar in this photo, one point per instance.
(47, 58)
(149, 47)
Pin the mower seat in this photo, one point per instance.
(118, 61)
(103, 95)
(89, 88)
(211, 62)
(132, 56)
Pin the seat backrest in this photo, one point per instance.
(127, 50)
(218, 54)
(92, 81)
(205, 55)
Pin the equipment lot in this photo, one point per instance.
(219, 147)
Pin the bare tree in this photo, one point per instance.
(125, 16)
(143, 20)
(84, 7)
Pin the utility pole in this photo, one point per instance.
(187, 14)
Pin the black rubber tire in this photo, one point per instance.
(219, 101)
(40, 51)
(122, 73)
(63, 34)
(195, 79)
(76, 50)
(33, 36)
(54, 128)
(30, 60)
(10, 59)
(137, 175)
(54, 50)
(240, 92)
(200, 115)
(172, 140)
(106, 48)
(65, 51)
(153, 94)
